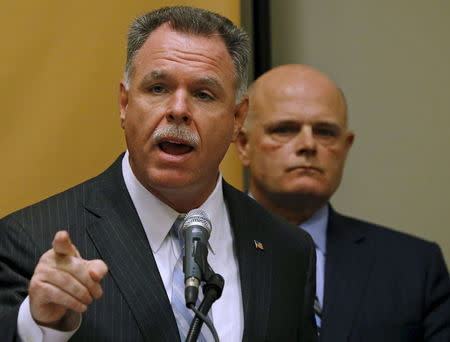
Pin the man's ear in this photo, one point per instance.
(123, 102)
(243, 147)
(349, 139)
(239, 117)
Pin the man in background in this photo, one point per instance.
(373, 284)
(112, 272)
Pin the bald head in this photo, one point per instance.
(295, 80)
(295, 140)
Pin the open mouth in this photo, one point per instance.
(174, 148)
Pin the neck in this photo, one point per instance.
(183, 200)
(294, 208)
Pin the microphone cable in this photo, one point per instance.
(207, 321)
(212, 291)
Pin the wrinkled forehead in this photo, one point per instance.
(167, 44)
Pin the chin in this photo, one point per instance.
(305, 184)
(174, 182)
(169, 179)
(313, 190)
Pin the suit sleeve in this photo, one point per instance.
(310, 331)
(437, 299)
(17, 261)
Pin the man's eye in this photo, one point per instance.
(283, 130)
(325, 132)
(203, 95)
(157, 89)
(283, 133)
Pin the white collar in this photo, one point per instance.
(157, 217)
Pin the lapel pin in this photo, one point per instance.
(258, 245)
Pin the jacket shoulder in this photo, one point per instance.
(70, 199)
(385, 237)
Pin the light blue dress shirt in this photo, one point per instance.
(316, 226)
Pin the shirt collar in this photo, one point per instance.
(157, 217)
(316, 226)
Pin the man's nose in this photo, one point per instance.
(178, 109)
(306, 142)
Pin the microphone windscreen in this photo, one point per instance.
(197, 217)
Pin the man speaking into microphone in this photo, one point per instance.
(101, 261)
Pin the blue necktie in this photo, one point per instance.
(182, 314)
(317, 305)
(318, 313)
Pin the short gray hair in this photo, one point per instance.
(192, 21)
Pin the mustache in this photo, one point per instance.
(176, 132)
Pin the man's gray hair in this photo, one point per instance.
(195, 21)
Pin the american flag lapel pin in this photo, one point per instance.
(258, 245)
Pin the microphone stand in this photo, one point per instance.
(212, 290)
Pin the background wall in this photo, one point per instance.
(392, 60)
(60, 68)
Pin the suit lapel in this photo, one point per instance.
(121, 241)
(255, 264)
(348, 265)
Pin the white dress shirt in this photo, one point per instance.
(157, 219)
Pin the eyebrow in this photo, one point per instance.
(292, 123)
(327, 123)
(206, 81)
(155, 75)
(282, 122)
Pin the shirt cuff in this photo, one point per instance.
(30, 331)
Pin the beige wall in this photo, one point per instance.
(60, 68)
(392, 60)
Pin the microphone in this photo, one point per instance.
(196, 230)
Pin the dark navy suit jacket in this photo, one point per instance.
(277, 283)
(382, 285)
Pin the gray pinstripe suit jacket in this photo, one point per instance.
(278, 283)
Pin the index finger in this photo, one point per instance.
(63, 245)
